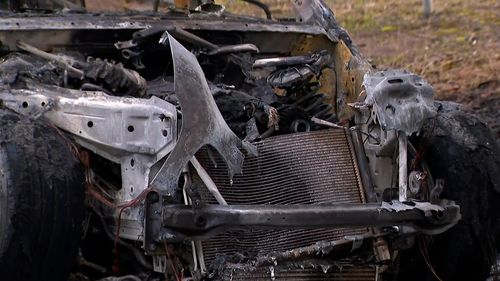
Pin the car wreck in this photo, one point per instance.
(201, 145)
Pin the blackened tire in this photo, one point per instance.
(41, 201)
(461, 149)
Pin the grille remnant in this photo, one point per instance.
(348, 273)
(303, 168)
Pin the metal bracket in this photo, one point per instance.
(160, 264)
(401, 100)
(136, 133)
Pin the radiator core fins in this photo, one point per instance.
(303, 168)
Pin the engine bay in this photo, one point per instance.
(226, 151)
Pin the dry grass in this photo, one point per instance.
(456, 49)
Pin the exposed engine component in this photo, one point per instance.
(116, 78)
(289, 75)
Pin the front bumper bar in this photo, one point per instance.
(202, 221)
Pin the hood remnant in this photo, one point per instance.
(202, 122)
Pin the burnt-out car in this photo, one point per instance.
(201, 145)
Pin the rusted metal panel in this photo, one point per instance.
(350, 69)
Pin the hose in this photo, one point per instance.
(261, 5)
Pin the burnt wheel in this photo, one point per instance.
(460, 149)
(41, 201)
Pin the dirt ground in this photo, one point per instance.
(457, 48)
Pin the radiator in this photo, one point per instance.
(303, 168)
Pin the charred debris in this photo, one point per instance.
(194, 129)
(257, 97)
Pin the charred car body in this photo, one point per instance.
(208, 146)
